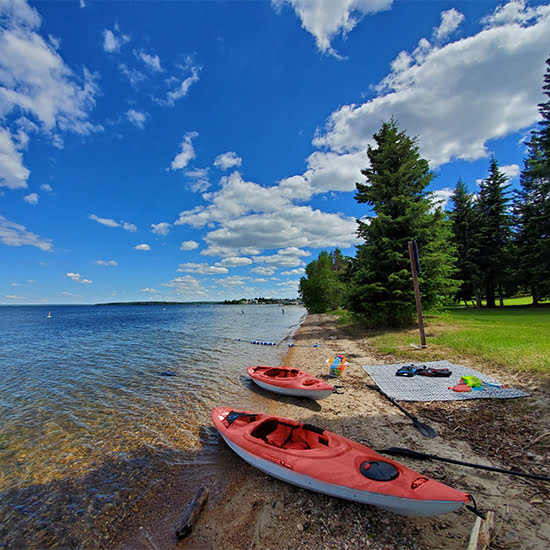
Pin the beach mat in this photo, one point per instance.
(425, 388)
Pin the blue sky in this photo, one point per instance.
(188, 150)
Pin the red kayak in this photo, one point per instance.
(289, 381)
(328, 463)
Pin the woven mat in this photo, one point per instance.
(425, 388)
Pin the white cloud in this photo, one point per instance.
(187, 153)
(202, 269)
(442, 196)
(142, 247)
(136, 118)
(78, 278)
(200, 182)
(266, 220)
(298, 271)
(325, 19)
(133, 75)
(114, 40)
(228, 160)
(13, 174)
(186, 286)
(182, 89)
(127, 226)
(113, 223)
(510, 170)
(31, 198)
(106, 262)
(151, 290)
(161, 228)
(38, 91)
(13, 234)
(455, 97)
(152, 61)
(264, 270)
(189, 245)
(450, 20)
(46, 187)
(13, 297)
(235, 261)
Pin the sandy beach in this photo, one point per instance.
(250, 510)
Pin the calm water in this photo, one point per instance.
(99, 403)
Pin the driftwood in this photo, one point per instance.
(480, 537)
(185, 525)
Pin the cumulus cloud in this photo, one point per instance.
(199, 179)
(202, 269)
(187, 153)
(161, 228)
(235, 261)
(151, 290)
(450, 20)
(31, 198)
(510, 170)
(113, 223)
(189, 245)
(458, 96)
(186, 286)
(14, 234)
(38, 91)
(227, 160)
(113, 40)
(268, 219)
(46, 187)
(108, 263)
(325, 19)
(152, 61)
(142, 247)
(136, 118)
(78, 278)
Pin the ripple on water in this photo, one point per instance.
(100, 405)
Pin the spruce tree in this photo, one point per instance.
(532, 207)
(463, 227)
(381, 286)
(492, 233)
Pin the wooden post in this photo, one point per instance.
(414, 263)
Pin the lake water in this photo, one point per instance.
(98, 404)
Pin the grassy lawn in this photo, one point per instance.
(512, 337)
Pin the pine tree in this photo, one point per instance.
(463, 227)
(492, 232)
(532, 207)
(381, 287)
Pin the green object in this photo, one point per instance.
(472, 381)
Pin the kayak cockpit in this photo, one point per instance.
(290, 436)
(275, 372)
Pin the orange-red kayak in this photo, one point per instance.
(289, 381)
(322, 461)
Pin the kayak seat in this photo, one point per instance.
(280, 373)
(285, 436)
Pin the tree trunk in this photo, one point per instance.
(490, 294)
(500, 296)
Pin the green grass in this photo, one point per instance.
(512, 337)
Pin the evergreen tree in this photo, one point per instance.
(381, 285)
(463, 226)
(321, 290)
(532, 207)
(492, 233)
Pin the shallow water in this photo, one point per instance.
(98, 404)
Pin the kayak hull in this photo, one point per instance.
(314, 470)
(288, 381)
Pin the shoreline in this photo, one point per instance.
(250, 510)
